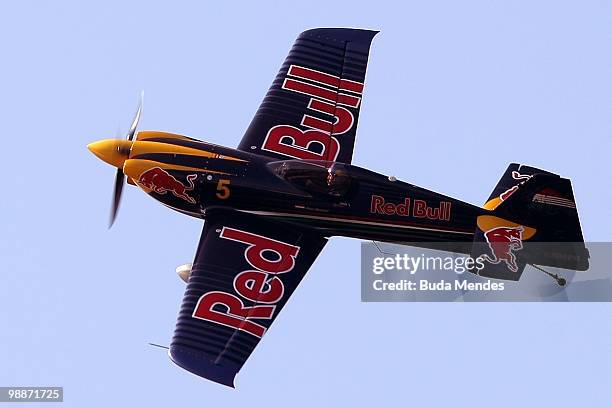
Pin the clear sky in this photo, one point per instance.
(455, 91)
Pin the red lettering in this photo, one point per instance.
(258, 246)
(433, 213)
(348, 100)
(326, 79)
(351, 86)
(269, 257)
(320, 92)
(403, 209)
(379, 206)
(326, 97)
(309, 89)
(343, 118)
(236, 314)
(389, 208)
(420, 209)
(314, 75)
(376, 204)
(300, 143)
(252, 285)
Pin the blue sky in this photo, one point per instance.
(455, 91)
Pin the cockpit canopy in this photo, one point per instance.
(317, 177)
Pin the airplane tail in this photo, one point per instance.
(532, 219)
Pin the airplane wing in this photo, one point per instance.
(311, 109)
(245, 270)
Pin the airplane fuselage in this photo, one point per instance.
(335, 198)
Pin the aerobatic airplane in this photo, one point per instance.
(271, 204)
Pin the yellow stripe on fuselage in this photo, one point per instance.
(133, 168)
(153, 134)
(143, 146)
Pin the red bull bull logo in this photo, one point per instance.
(503, 242)
(160, 181)
(516, 176)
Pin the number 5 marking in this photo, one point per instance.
(223, 191)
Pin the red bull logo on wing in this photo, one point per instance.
(260, 284)
(503, 242)
(333, 97)
(160, 181)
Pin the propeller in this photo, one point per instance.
(120, 176)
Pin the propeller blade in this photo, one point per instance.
(119, 181)
(134, 125)
(120, 176)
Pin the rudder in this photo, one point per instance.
(535, 207)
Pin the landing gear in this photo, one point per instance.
(560, 280)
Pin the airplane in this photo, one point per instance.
(271, 204)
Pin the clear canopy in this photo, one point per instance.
(319, 177)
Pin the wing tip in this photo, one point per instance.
(341, 34)
(203, 365)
